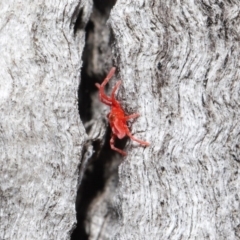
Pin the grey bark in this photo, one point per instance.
(41, 136)
(179, 62)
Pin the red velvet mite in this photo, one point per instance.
(117, 117)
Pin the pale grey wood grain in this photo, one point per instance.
(41, 136)
(179, 62)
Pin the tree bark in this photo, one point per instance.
(179, 62)
(41, 136)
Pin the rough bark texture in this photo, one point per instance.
(179, 62)
(41, 136)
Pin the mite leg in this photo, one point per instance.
(137, 140)
(112, 141)
(109, 76)
(135, 115)
(104, 98)
(116, 87)
(114, 101)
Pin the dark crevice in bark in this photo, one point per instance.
(104, 8)
(78, 21)
(86, 89)
(101, 165)
(79, 24)
(92, 183)
(100, 168)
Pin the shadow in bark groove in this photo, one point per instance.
(91, 185)
(78, 22)
(97, 171)
(103, 8)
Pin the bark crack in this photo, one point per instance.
(98, 163)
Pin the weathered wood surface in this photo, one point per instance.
(41, 136)
(179, 62)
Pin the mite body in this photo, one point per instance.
(117, 118)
